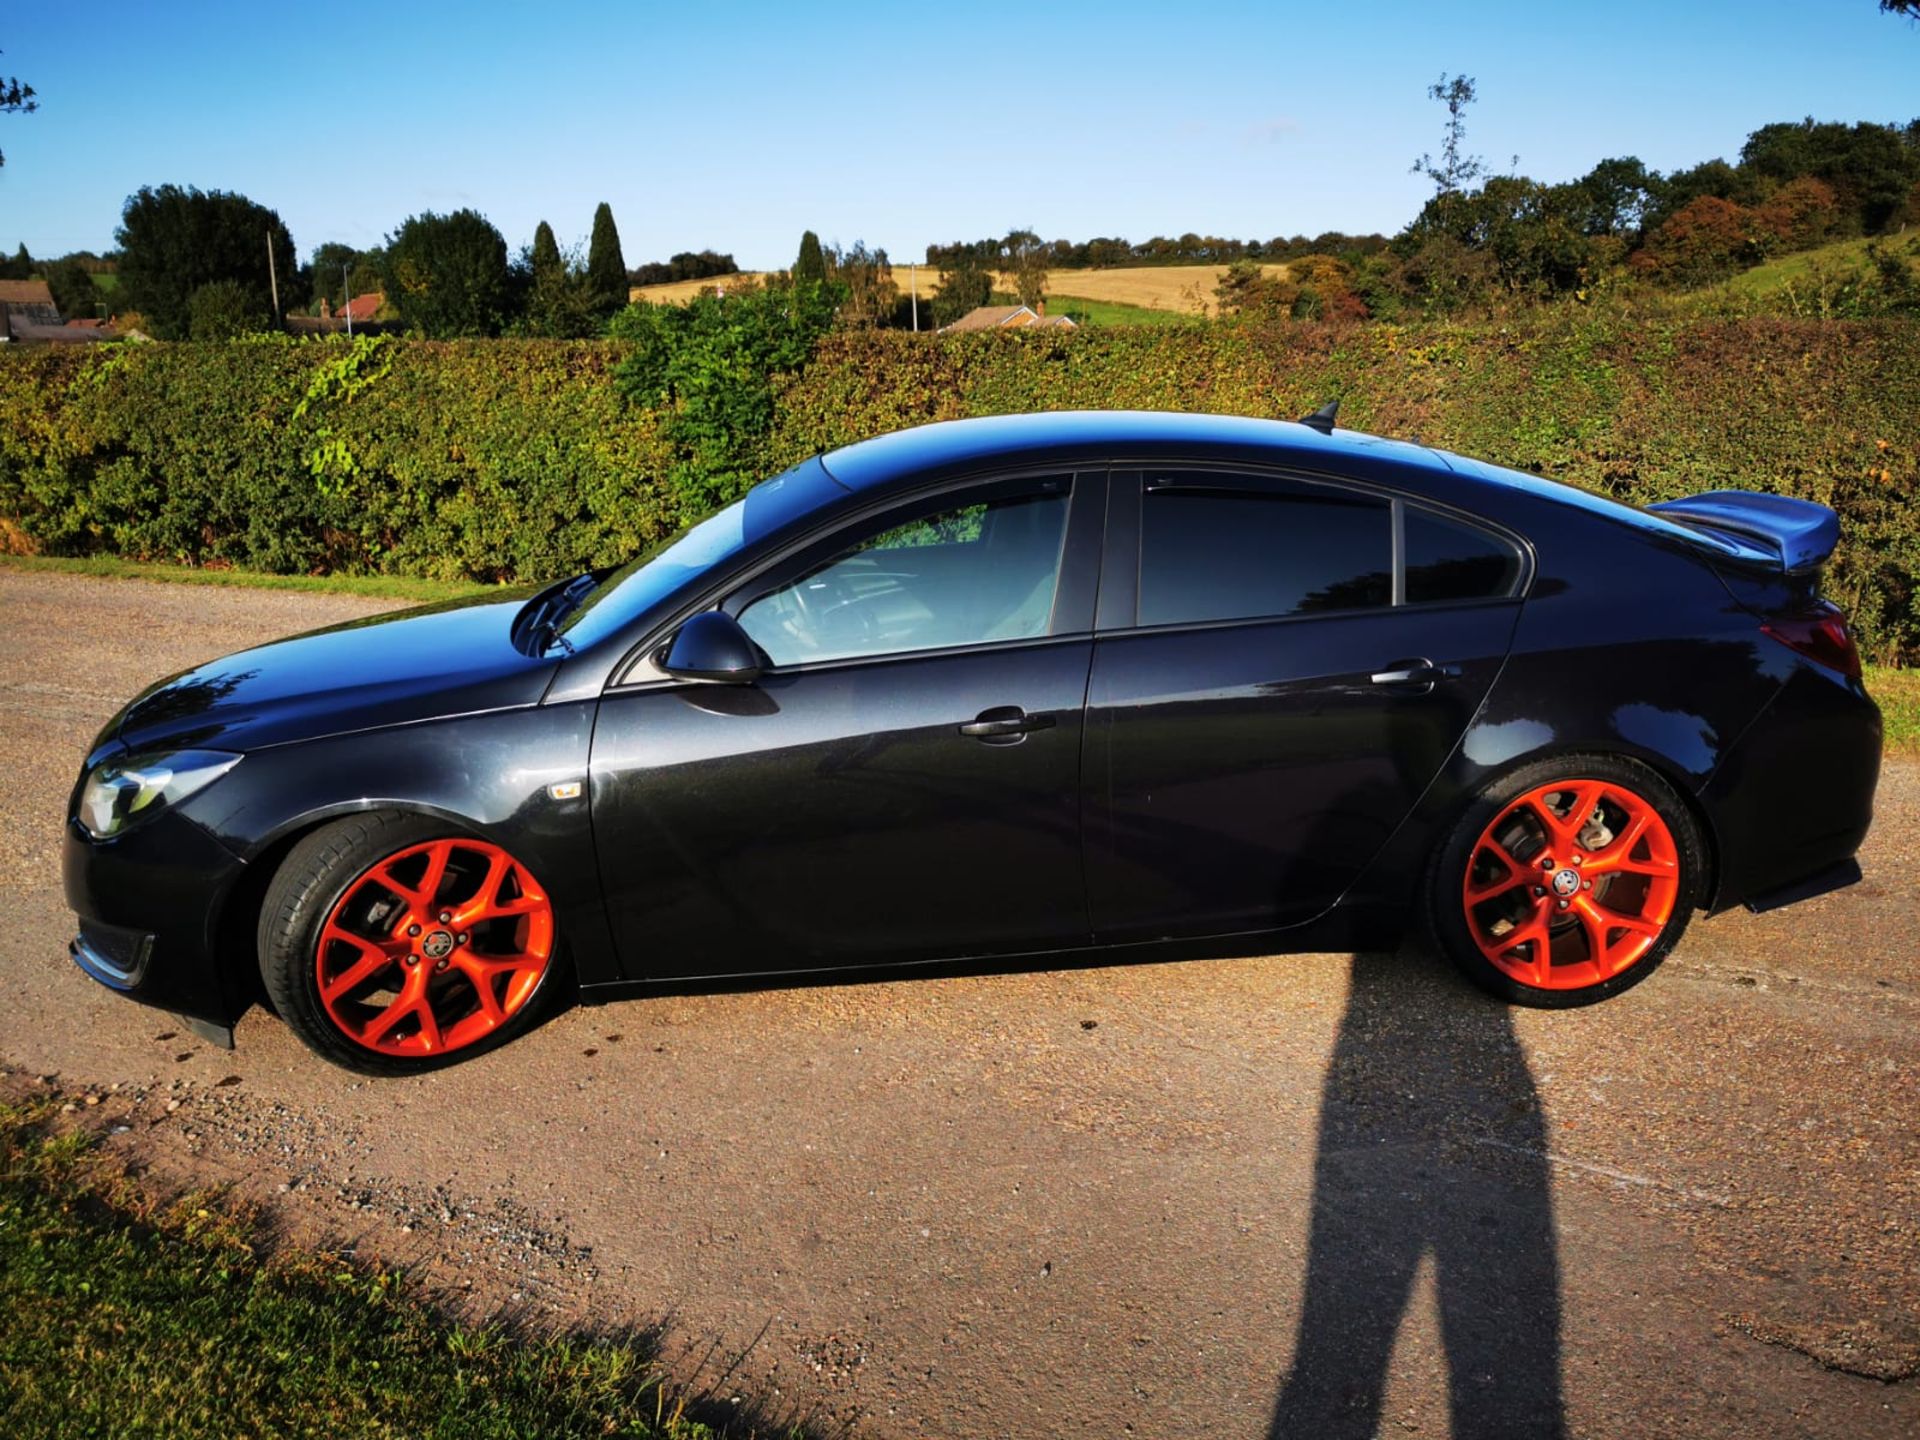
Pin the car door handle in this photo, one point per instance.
(1414, 672)
(1004, 724)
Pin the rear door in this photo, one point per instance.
(1280, 668)
(903, 781)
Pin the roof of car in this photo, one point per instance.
(1083, 435)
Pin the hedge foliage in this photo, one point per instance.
(511, 459)
(485, 459)
(1641, 409)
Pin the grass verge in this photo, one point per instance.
(1898, 694)
(386, 587)
(127, 1316)
(1112, 312)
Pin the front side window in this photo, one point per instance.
(1239, 554)
(969, 574)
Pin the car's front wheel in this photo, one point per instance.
(1567, 881)
(391, 944)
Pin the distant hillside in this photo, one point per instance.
(1183, 289)
(1797, 281)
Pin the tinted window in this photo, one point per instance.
(962, 576)
(1238, 554)
(1448, 561)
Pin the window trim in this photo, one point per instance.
(1086, 490)
(1126, 542)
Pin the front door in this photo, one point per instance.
(1297, 663)
(903, 782)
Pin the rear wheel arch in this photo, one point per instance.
(1664, 770)
(1462, 837)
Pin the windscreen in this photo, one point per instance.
(680, 560)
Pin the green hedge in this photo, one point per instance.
(485, 459)
(508, 459)
(1639, 409)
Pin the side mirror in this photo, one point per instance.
(712, 646)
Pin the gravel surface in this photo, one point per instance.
(1231, 1198)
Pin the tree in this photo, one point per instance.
(559, 301)
(866, 277)
(224, 310)
(1027, 258)
(1800, 214)
(1870, 167)
(73, 290)
(810, 265)
(20, 267)
(1707, 239)
(1455, 169)
(1909, 8)
(447, 275)
(715, 366)
(685, 265)
(606, 267)
(339, 271)
(545, 256)
(174, 240)
(965, 284)
(15, 98)
(1614, 196)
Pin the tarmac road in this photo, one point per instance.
(1304, 1195)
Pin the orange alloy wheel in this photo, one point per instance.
(1571, 884)
(434, 948)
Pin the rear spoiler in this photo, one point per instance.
(1774, 531)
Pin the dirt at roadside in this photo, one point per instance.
(1081, 1202)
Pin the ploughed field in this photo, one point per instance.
(1073, 1202)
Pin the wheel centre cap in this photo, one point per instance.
(440, 942)
(1565, 882)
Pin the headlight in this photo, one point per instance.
(121, 793)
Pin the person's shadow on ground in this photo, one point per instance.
(1431, 1143)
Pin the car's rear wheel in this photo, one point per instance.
(1567, 881)
(390, 943)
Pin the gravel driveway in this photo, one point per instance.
(1233, 1198)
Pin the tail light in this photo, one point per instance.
(1823, 637)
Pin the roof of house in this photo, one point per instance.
(362, 307)
(1008, 317)
(25, 292)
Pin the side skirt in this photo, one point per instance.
(1344, 928)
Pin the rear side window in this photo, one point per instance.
(1450, 561)
(1235, 554)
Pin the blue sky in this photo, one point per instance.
(737, 126)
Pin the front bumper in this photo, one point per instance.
(148, 904)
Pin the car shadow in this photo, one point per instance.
(1431, 1145)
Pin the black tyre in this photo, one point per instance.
(392, 944)
(1567, 881)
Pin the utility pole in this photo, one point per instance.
(346, 291)
(273, 277)
(913, 283)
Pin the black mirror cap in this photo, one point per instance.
(712, 646)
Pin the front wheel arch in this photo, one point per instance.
(499, 986)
